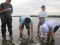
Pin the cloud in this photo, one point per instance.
(1, 1)
(53, 11)
(29, 7)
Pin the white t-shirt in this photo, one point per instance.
(43, 14)
(52, 24)
(49, 24)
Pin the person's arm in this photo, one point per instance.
(43, 19)
(1, 11)
(31, 28)
(41, 36)
(20, 28)
(39, 18)
(32, 32)
(1, 8)
(4, 10)
(10, 11)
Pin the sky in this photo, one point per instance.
(33, 7)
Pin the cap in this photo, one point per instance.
(43, 6)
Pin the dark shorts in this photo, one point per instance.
(27, 26)
(56, 28)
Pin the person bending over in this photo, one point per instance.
(49, 27)
(27, 21)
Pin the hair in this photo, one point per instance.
(27, 20)
(9, 0)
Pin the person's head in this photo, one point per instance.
(43, 7)
(8, 1)
(27, 21)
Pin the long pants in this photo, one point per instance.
(6, 20)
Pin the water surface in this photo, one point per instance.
(16, 41)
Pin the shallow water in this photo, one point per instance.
(16, 39)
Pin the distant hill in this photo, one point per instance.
(56, 16)
(51, 16)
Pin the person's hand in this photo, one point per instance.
(40, 21)
(31, 37)
(9, 10)
(24, 35)
(6, 10)
(41, 39)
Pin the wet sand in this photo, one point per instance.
(16, 39)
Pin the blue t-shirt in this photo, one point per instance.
(23, 20)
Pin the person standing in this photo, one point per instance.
(6, 18)
(42, 16)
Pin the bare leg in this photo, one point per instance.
(52, 38)
(52, 35)
(38, 29)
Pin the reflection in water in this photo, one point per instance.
(26, 42)
(7, 42)
(15, 32)
(23, 43)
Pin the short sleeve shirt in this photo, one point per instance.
(43, 14)
(22, 18)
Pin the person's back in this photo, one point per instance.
(22, 19)
(24, 16)
(52, 23)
